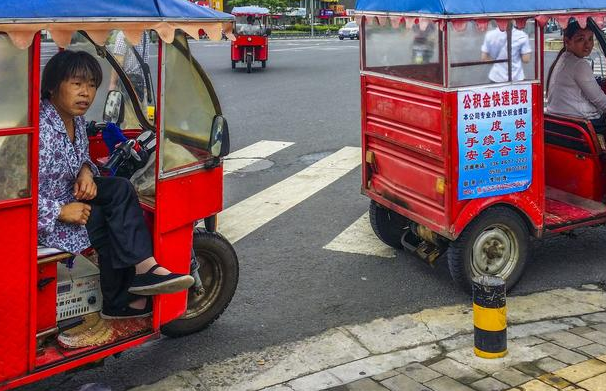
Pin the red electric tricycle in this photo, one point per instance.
(177, 136)
(459, 156)
(252, 33)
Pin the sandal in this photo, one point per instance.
(149, 284)
(127, 312)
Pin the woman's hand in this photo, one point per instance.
(75, 213)
(85, 187)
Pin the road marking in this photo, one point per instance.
(359, 238)
(253, 153)
(246, 216)
(296, 48)
(327, 48)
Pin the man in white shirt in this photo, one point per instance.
(495, 48)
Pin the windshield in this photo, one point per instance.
(249, 25)
(351, 24)
(190, 105)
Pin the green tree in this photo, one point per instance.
(274, 6)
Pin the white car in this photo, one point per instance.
(350, 30)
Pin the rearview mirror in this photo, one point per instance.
(113, 110)
(219, 137)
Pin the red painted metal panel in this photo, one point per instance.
(574, 172)
(15, 286)
(402, 129)
(181, 201)
(260, 43)
(34, 95)
(76, 362)
(174, 252)
(184, 199)
(46, 303)
(412, 134)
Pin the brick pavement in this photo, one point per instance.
(574, 359)
(556, 341)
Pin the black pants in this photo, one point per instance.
(118, 233)
(599, 125)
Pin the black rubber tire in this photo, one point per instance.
(388, 225)
(263, 64)
(233, 64)
(248, 64)
(219, 272)
(341, 38)
(461, 250)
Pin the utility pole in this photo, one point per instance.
(312, 17)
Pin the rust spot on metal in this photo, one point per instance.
(394, 199)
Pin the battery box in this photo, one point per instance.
(78, 289)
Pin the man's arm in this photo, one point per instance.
(113, 78)
(119, 53)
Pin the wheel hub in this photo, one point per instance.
(495, 252)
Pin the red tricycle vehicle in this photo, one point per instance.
(177, 138)
(251, 43)
(459, 156)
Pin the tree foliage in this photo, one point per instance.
(274, 6)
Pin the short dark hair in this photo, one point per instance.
(67, 64)
(572, 28)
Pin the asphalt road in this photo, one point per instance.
(290, 286)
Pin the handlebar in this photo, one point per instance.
(93, 128)
(120, 154)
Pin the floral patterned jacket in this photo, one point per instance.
(59, 165)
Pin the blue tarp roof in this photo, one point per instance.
(461, 7)
(250, 10)
(58, 9)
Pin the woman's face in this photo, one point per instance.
(581, 43)
(73, 97)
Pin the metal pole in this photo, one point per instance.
(312, 17)
(489, 317)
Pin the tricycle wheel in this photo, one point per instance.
(233, 64)
(494, 244)
(219, 274)
(387, 224)
(263, 63)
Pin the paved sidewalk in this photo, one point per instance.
(556, 341)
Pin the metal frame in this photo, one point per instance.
(444, 88)
(213, 95)
(104, 20)
(513, 15)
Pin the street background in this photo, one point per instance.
(291, 286)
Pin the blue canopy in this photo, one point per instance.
(250, 10)
(138, 9)
(463, 7)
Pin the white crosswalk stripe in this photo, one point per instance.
(252, 213)
(252, 154)
(359, 238)
(268, 204)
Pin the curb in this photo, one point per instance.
(355, 353)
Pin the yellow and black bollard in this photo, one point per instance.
(489, 317)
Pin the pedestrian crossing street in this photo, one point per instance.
(271, 202)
